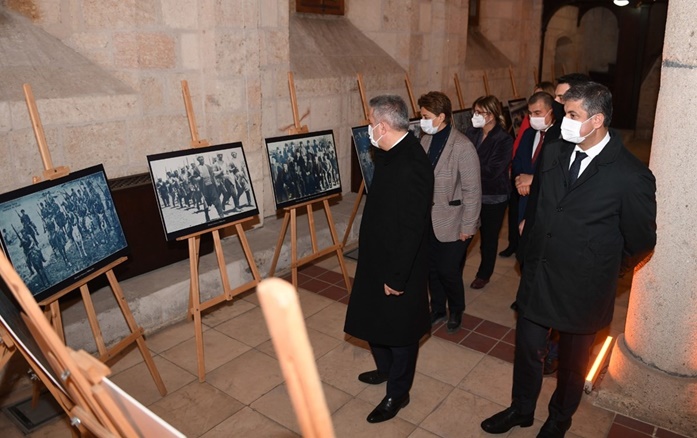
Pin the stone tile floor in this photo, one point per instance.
(461, 378)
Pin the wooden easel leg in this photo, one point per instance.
(56, 319)
(294, 246)
(133, 327)
(222, 266)
(248, 252)
(192, 258)
(311, 223)
(195, 299)
(356, 204)
(340, 247)
(279, 244)
(92, 318)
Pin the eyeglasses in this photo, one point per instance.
(481, 113)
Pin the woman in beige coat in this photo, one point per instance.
(456, 205)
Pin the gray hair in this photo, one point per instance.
(390, 109)
(595, 99)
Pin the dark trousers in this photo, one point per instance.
(513, 233)
(398, 364)
(530, 352)
(446, 261)
(491, 220)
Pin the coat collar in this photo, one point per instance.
(607, 156)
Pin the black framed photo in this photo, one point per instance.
(462, 119)
(517, 109)
(303, 167)
(201, 188)
(415, 127)
(56, 232)
(364, 150)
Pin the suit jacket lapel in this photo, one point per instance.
(445, 154)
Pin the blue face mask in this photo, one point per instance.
(373, 141)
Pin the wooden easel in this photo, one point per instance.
(194, 240)
(411, 95)
(515, 90)
(459, 92)
(361, 188)
(279, 302)
(290, 218)
(136, 332)
(296, 128)
(535, 77)
(77, 378)
(486, 83)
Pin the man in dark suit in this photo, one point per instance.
(389, 301)
(531, 144)
(590, 218)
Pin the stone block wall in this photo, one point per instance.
(235, 56)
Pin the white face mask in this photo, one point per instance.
(373, 141)
(571, 130)
(478, 121)
(538, 123)
(427, 126)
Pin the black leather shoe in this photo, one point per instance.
(388, 408)
(508, 252)
(506, 420)
(554, 429)
(438, 317)
(454, 322)
(372, 377)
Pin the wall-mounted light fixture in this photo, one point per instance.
(621, 2)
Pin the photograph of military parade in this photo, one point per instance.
(303, 167)
(55, 232)
(201, 188)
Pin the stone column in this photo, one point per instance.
(653, 369)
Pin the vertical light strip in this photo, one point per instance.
(592, 374)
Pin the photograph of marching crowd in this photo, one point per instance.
(303, 167)
(201, 188)
(55, 232)
(364, 150)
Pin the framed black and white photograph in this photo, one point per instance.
(201, 188)
(56, 232)
(415, 127)
(462, 119)
(517, 109)
(303, 167)
(364, 150)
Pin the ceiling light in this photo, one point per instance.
(621, 2)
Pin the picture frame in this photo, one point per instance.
(517, 109)
(462, 119)
(303, 167)
(415, 127)
(364, 151)
(201, 188)
(56, 232)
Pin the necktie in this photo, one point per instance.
(539, 147)
(575, 167)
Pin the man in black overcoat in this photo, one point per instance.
(590, 218)
(389, 300)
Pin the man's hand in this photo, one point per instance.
(464, 236)
(390, 291)
(523, 183)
